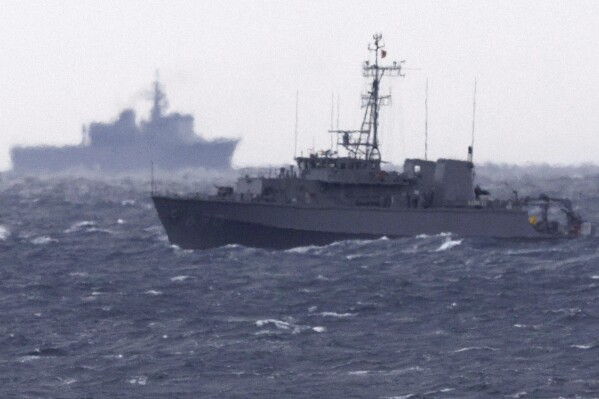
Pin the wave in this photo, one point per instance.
(80, 225)
(4, 232)
(448, 244)
(138, 380)
(475, 348)
(180, 278)
(283, 325)
(582, 346)
(287, 326)
(304, 250)
(339, 315)
(43, 240)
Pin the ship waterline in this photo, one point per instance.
(192, 223)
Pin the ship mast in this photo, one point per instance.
(159, 100)
(364, 143)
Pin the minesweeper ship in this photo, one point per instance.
(167, 140)
(337, 195)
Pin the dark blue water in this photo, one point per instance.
(95, 303)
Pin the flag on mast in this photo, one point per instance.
(383, 53)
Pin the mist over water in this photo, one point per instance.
(96, 302)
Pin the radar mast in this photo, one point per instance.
(364, 143)
(159, 100)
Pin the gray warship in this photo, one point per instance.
(167, 140)
(345, 194)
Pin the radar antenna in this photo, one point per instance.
(364, 143)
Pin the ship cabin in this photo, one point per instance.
(345, 170)
(347, 181)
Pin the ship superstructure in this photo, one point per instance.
(167, 140)
(344, 193)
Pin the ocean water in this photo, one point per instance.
(95, 303)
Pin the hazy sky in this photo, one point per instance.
(236, 65)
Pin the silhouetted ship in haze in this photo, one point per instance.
(344, 194)
(167, 140)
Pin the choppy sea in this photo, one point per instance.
(95, 303)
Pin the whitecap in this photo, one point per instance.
(232, 246)
(595, 277)
(582, 346)
(402, 371)
(43, 240)
(319, 329)
(335, 314)
(475, 348)
(358, 372)
(99, 230)
(518, 394)
(156, 229)
(178, 250)
(4, 232)
(355, 256)
(266, 332)
(80, 225)
(277, 323)
(28, 358)
(520, 325)
(153, 292)
(302, 250)
(179, 278)
(448, 244)
(312, 308)
(120, 221)
(128, 202)
(138, 380)
(67, 381)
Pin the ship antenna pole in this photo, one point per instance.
(332, 116)
(375, 94)
(426, 122)
(337, 141)
(471, 149)
(296, 121)
(338, 104)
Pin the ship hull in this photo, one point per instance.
(126, 158)
(200, 224)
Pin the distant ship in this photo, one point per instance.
(343, 193)
(166, 140)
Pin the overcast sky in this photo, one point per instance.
(236, 65)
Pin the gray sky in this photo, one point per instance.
(236, 65)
